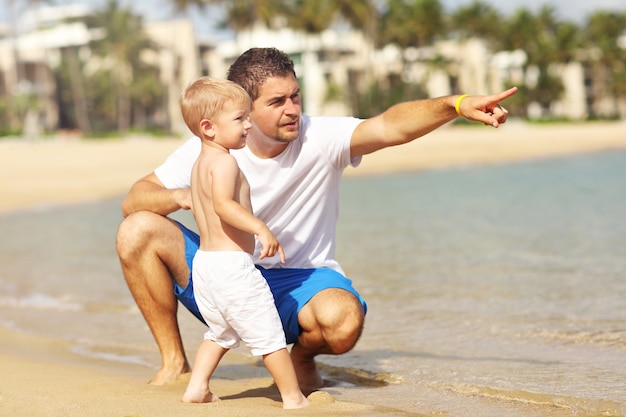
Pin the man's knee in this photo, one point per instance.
(348, 329)
(133, 234)
(340, 317)
(152, 245)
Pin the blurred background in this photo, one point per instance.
(113, 67)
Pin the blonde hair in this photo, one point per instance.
(205, 97)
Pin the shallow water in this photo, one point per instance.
(492, 291)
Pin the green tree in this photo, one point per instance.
(120, 50)
(149, 99)
(71, 95)
(312, 17)
(546, 42)
(549, 86)
(607, 62)
(568, 42)
(184, 4)
(241, 14)
(520, 32)
(360, 14)
(25, 92)
(478, 19)
(412, 23)
(12, 114)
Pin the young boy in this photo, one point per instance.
(233, 297)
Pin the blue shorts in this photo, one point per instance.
(292, 288)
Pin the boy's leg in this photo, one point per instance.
(279, 365)
(208, 356)
(152, 253)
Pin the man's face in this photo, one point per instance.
(276, 112)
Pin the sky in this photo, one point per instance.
(206, 21)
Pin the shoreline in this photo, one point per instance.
(44, 377)
(58, 172)
(460, 146)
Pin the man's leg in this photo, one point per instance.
(331, 322)
(151, 249)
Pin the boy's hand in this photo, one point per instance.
(270, 246)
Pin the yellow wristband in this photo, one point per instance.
(457, 104)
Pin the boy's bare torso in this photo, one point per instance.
(215, 234)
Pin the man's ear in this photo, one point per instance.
(207, 128)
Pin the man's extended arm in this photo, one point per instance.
(149, 194)
(407, 121)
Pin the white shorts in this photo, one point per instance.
(236, 302)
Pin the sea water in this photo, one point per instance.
(494, 290)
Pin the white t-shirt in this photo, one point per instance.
(296, 193)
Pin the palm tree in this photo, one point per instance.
(361, 14)
(414, 23)
(546, 54)
(184, 4)
(541, 37)
(148, 98)
(120, 50)
(607, 65)
(568, 42)
(312, 17)
(14, 109)
(241, 14)
(478, 19)
(71, 72)
(519, 32)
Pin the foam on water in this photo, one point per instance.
(38, 301)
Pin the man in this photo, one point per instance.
(294, 164)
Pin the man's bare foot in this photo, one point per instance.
(202, 396)
(166, 374)
(309, 378)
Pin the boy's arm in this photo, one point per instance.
(149, 194)
(225, 174)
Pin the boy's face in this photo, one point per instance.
(276, 112)
(231, 125)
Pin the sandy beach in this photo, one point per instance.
(44, 378)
